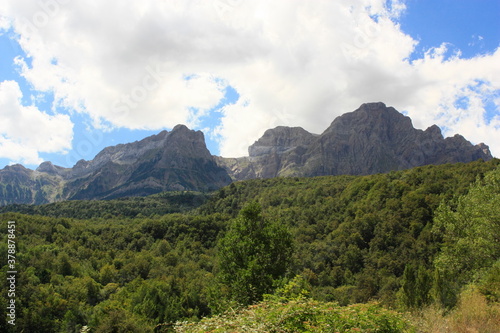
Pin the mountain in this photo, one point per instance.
(373, 139)
(168, 161)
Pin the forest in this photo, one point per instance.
(296, 254)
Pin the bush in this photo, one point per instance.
(303, 315)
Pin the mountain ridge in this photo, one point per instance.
(372, 139)
(154, 164)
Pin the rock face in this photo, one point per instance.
(372, 139)
(21, 185)
(176, 160)
(278, 153)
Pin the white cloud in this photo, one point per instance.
(25, 131)
(298, 63)
(4, 23)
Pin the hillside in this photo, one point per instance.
(355, 239)
(130, 207)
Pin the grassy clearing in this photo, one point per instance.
(473, 314)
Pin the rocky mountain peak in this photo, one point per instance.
(184, 133)
(279, 140)
(181, 128)
(175, 160)
(434, 132)
(130, 152)
(370, 117)
(51, 169)
(372, 139)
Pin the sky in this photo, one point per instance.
(77, 76)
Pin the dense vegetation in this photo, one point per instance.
(139, 264)
(133, 207)
(303, 316)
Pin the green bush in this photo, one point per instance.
(303, 315)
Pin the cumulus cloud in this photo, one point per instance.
(25, 131)
(153, 64)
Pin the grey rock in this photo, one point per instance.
(373, 139)
(176, 160)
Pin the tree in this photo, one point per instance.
(253, 255)
(415, 287)
(407, 292)
(471, 232)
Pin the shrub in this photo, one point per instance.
(303, 315)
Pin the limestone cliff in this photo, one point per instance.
(176, 160)
(373, 139)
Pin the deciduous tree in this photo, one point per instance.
(253, 254)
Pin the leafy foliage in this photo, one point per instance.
(253, 255)
(303, 315)
(100, 272)
(356, 235)
(153, 205)
(471, 233)
(140, 263)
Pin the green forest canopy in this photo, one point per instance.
(83, 263)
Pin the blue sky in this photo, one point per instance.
(78, 76)
(471, 27)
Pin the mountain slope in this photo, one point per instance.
(176, 160)
(372, 139)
